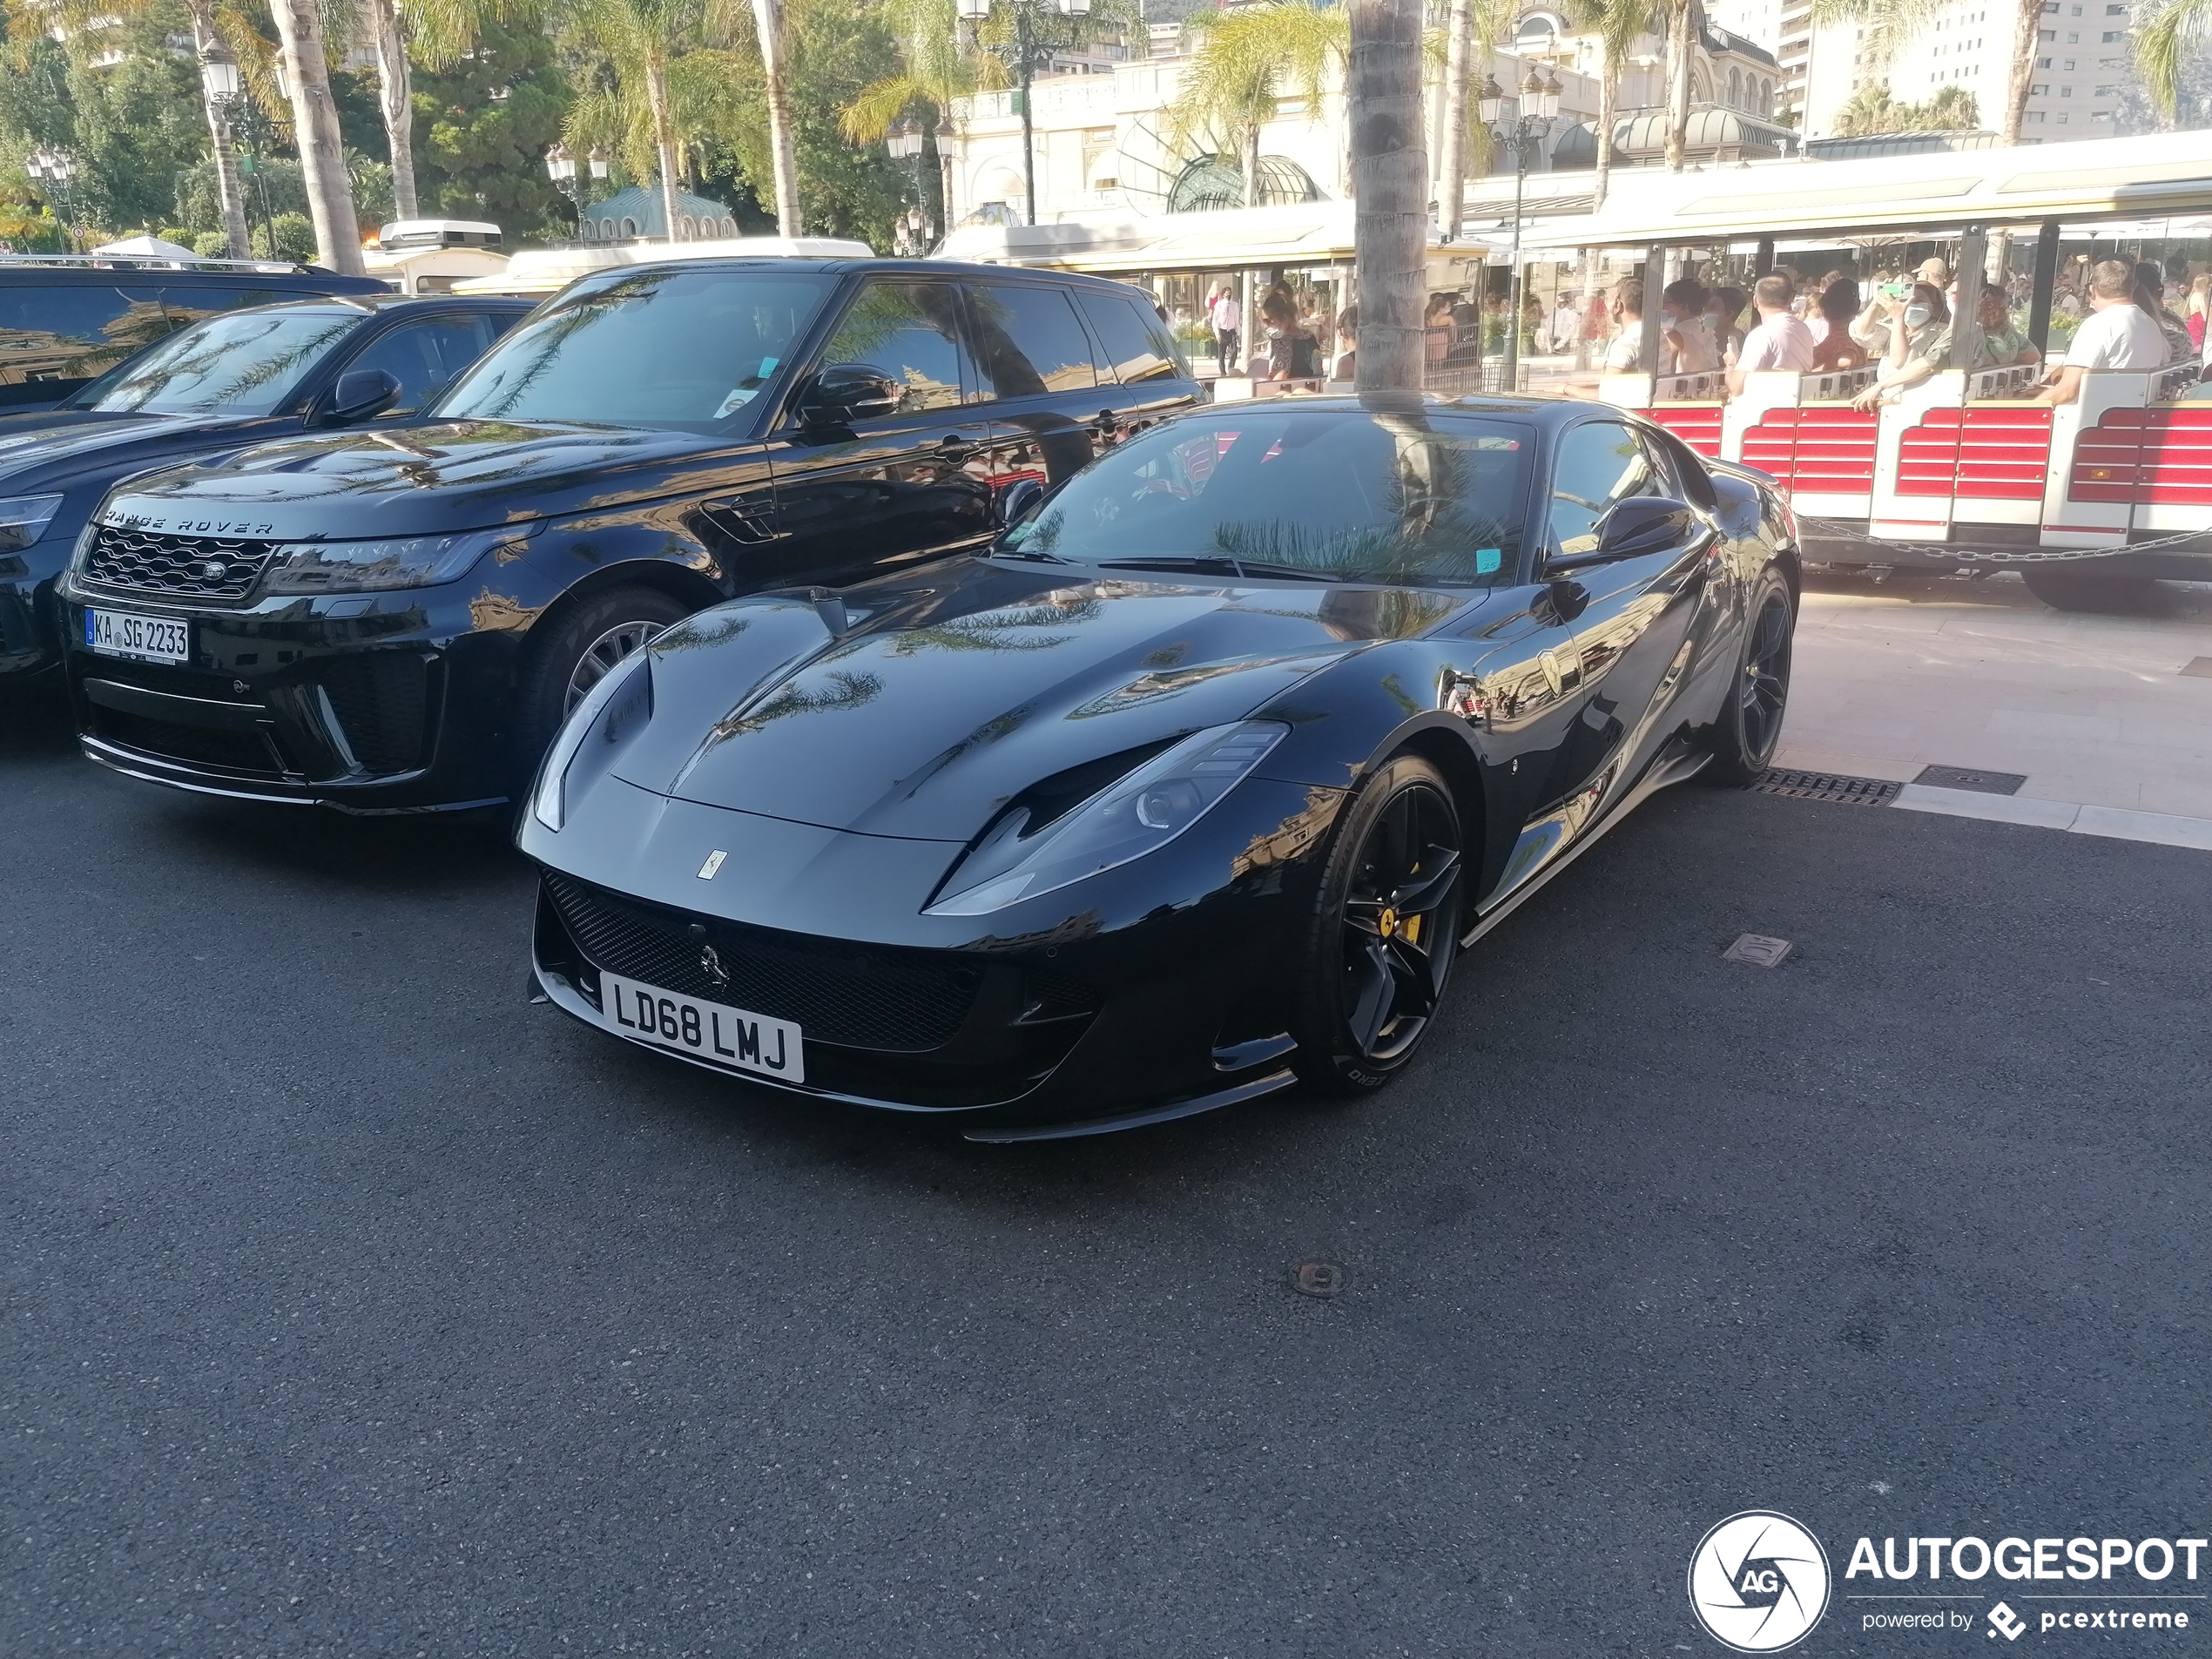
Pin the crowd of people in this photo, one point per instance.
(1902, 326)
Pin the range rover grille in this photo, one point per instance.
(198, 567)
(862, 996)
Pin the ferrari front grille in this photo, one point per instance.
(195, 567)
(862, 996)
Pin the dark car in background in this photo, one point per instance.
(397, 620)
(67, 319)
(235, 378)
(1193, 786)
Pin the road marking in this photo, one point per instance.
(2113, 822)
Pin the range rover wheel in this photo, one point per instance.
(576, 654)
(2076, 590)
(1386, 929)
(1749, 728)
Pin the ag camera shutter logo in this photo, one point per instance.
(1758, 1581)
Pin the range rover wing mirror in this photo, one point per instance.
(844, 393)
(361, 393)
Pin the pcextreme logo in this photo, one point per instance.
(1758, 1581)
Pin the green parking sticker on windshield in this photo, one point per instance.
(1486, 559)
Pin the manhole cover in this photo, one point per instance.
(1982, 783)
(1323, 1279)
(1823, 786)
(1757, 949)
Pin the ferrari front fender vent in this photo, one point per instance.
(1822, 785)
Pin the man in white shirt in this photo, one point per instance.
(1780, 340)
(1227, 318)
(1564, 323)
(1689, 347)
(2115, 335)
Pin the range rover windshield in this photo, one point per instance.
(243, 364)
(686, 349)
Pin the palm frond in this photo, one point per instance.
(2163, 44)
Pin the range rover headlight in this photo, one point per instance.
(612, 712)
(397, 562)
(1135, 814)
(24, 519)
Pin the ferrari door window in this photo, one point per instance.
(1336, 495)
(911, 332)
(1598, 463)
(1029, 341)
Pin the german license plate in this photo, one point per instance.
(711, 1031)
(142, 639)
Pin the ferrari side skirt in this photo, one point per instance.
(1677, 763)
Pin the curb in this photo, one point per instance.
(2114, 823)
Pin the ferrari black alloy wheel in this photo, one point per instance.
(1749, 727)
(1385, 928)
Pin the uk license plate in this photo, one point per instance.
(713, 1032)
(142, 639)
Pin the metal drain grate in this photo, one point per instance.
(1824, 785)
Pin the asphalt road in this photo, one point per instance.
(355, 1306)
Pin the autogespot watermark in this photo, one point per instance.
(1759, 1581)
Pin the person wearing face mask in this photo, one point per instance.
(1920, 343)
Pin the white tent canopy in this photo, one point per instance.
(145, 247)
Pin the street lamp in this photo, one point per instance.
(220, 84)
(560, 167)
(1028, 16)
(218, 75)
(57, 168)
(1522, 121)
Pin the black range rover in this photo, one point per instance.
(397, 620)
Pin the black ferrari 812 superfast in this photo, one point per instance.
(1190, 788)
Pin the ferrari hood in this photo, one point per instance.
(419, 480)
(916, 709)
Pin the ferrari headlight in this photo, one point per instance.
(1130, 817)
(612, 712)
(398, 561)
(24, 519)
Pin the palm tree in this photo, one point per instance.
(1249, 58)
(1389, 189)
(1472, 29)
(768, 26)
(396, 95)
(934, 73)
(1681, 18)
(638, 40)
(31, 18)
(1618, 25)
(2174, 32)
(314, 125)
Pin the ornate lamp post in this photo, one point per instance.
(560, 167)
(220, 84)
(1029, 41)
(57, 168)
(1522, 123)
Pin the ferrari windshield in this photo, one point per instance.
(242, 364)
(686, 349)
(1341, 495)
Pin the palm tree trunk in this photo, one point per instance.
(1609, 100)
(314, 123)
(230, 193)
(2025, 27)
(768, 23)
(933, 174)
(1452, 181)
(1389, 191)
(1249, 160)
(664, 138)
(1677, 84)
(395, 89)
